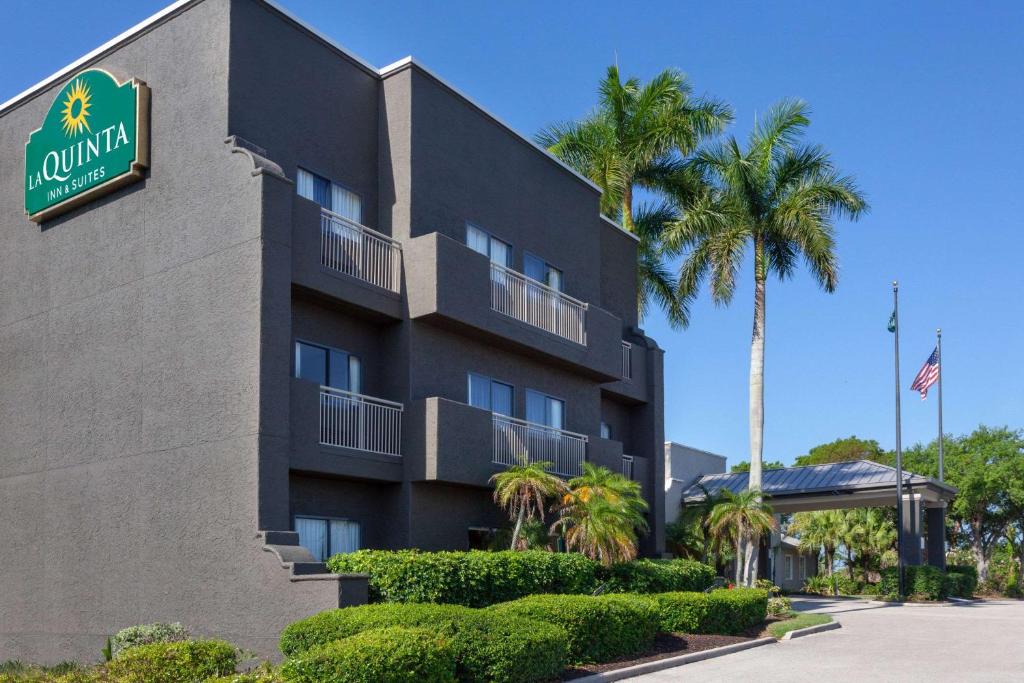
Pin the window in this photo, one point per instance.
(627, 466)
(490, 394)
(481, 538)
(544, 410)
(330, 196)
(325, 537)
(606, 430)
(803, 567)
(788, 564)
(537, 269)
(484, 243)
(328, 367)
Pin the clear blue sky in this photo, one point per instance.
(922, 102)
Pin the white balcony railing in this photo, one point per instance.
(517, 441)
(532, 302)
(360, 422)
(627, 466)
(356, 250)
(627, 360)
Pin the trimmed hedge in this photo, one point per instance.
(475, 578)
(387, 655)
(479, 578)
(264, 673)
(178, 662)
(488, 646)
(923, 582)
(963, 580)
(724, 612)
(658, 576)
(145, 634)
(600, 628)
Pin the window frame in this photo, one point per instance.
(547, 275)
(605, 428)
(491, 237)
(327, 368)
(491, 381)
(327, 536)
(787, 566)
(548, 397)
(331, 183)
(803, 567)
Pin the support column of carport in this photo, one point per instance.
(935, 518)
(912, 530)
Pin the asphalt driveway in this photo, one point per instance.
(968, 642)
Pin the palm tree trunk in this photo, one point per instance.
(519, 524)
(627, 207)
(757, 373)
(739, 561)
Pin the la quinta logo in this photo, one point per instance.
(94, 139)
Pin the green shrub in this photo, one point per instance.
(264, 673)
(657, 576)
(178, 662)
(821, 584)
(600, 628)
(488, 646)
(146, 634)
(920, 582)
(779, 606)
(387, 655)
(474, 579)
(965, 581)
(725, 612)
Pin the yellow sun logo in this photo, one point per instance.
(76, 109)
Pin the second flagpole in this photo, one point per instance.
(899, 446)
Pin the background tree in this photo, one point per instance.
(843, 450)
(637, 137)
(779, 199)
(523, 491)
(744, 466)
(743, 518)
(820, 530)
(869, 533)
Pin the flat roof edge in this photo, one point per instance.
(635, 238)
(410, 61)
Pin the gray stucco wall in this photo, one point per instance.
(683, 465)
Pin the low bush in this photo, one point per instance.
(920, 582)
(724, 612)
(387, 655)
(779, 606)
(177, 662)
(488, 646)
(264, 673)
(475, 578)
(657, 576)
(840, 584)
(146, 634)
(599, 628)
(963, 580)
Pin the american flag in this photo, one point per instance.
(928, 375)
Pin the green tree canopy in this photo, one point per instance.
(843, 450)
(745, 466)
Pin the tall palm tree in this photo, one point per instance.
(821, 530)
(637, 137)
(870, 533)
(600, 515)
(523, 491)
(743, 518)
(780, 199)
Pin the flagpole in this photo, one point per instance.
(938, 334)
(899, 447)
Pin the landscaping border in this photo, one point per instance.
(810, 630)
(670, 662)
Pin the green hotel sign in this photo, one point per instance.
(94, 139)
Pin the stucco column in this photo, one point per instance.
(936, 521)
(912, 530)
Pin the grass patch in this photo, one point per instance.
(797, 620)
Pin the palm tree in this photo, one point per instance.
(869, 534)
(699, 515)
(600, 515)
(523, 490)
(824, 530)
(637, 137)
(743, 518)
(778, 197)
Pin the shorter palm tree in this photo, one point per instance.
(869, 534)
(601, 514)
(824, 530)
(743, 518)
(523, 491)
(696, 519)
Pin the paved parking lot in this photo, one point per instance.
(969, 642)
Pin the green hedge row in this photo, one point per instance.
(480, 578)
(962, 580)
(174, 662)
(488, 646)
(924, 582)
(727, 612)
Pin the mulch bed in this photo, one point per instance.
(665, 645)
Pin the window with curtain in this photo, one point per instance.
(606, 430)
(803, 567)
(329, 195)
(482, 242)
(545, 410)
(328, 367)
(490, 394)
(537, 269)
(324, 537)
(788, 565)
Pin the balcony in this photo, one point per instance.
(450, 285)
(534, 303)
(359, 422)
(357, 251)
(627, 466)
(518, 441)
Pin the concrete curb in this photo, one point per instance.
(885, 603)
(811, 630)
(670, 662)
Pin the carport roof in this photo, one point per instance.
(834, 478)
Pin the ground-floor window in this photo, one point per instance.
(481, 538)
(788, 564)
(325, 536)
(803, 567)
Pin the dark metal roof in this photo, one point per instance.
(854, 475)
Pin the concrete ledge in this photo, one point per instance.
(811, 630)
(670, 662)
